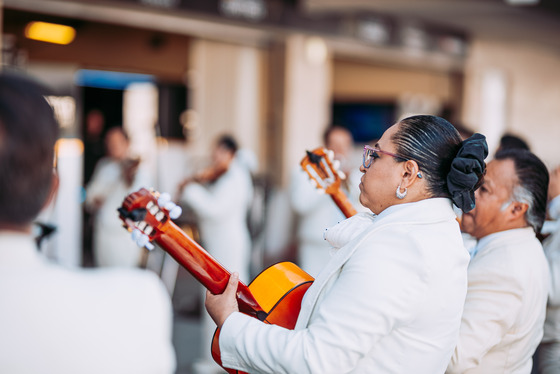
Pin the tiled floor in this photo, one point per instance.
(185, 339)
(187, 300)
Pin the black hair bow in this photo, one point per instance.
(466, 169)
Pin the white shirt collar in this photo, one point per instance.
(425, 211)
(508, 236)
(18, 249)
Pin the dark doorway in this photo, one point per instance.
(102, 110)
(109, 104)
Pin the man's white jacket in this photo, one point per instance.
(505, 306)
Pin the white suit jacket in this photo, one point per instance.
(389, 301)
(112, 243)
(222, 209)
(551, 247)
(505, 307)
(55, 320)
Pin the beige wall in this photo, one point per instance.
(361, 81)
(413, 90)
(307, 99)
(225, 81)
(532, 83)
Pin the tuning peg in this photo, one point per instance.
(141, 240)
(330, 155)
(144, 241)
(341, 174)
(336, 164)
(164, 198)
(175, 212)
(136, 234)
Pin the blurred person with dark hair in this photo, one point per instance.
(508, 277)
(115, 176)
(94, 148)
(549, 350)
(390, 299)
(220, 197)
(317, 212)
(54, 319)
(510, 141)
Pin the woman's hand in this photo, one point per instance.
(221, 306)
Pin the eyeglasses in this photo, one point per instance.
(372, 153)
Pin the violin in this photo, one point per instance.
(210, 174)
(129, 167)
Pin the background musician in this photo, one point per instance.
(220, 197)
(115, 175)
(317, 212)
(548, 352)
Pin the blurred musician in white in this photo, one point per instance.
(317, 212)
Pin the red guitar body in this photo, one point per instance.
(283, 278)
(274, 296)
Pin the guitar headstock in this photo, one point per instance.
(145, 212)
(323, 170)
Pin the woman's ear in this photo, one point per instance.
(411, 173)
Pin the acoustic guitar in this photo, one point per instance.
(273, 297)
(326, 175)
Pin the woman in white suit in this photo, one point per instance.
(114, 177)
(391, 297)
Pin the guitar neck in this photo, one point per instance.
(209, 272)
(341, 200)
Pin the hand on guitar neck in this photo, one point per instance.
(223, 305)
(325, 175)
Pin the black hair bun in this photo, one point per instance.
(466, 169)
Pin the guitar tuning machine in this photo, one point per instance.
(336, 165)
(165, 202)
(164, 198)
(141, 239)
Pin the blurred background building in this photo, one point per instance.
(274, 73)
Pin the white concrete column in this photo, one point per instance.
(307, 98)
(140, 111)
(493, 107)
(225, 94)
(66, 212)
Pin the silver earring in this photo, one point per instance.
(419, 175)
(401, 195)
